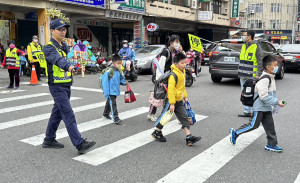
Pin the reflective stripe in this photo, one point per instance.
(250, 126)
(12, 58)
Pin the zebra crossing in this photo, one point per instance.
(206, 163)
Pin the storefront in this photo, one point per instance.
(278, 36)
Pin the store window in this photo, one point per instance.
(217, 6)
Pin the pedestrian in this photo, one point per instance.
(165, 62)
(59, 78)
(1, 52)
(22, 48)
(111, 80)
(265, 92)
(250, 65)
(32, 49)
(177, 97)
(12, 60)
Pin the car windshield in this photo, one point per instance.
(149, 50)
(290, 48)
(210, 47)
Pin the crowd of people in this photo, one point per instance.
(172, 60)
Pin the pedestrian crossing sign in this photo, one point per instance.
(41, 58)
(195, 43)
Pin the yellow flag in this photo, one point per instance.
(41, 58)
(195, 43)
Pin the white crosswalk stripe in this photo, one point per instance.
(106, 153)
(210, 161)
(30, 106)
(41, 117)
(90, 125)
(297, 179)
(11, 91)
(23, 97)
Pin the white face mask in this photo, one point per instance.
(244, 38)
(125, 45)
(176, 46)
(35, 40)
(130, 46)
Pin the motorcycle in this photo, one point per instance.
(193, 62)
(132, 74)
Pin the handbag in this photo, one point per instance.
(129, 95)
(190, 113)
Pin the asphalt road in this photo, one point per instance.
(127, 153)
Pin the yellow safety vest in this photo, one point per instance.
(12, 58)
(59, 75)
(34, 50)
(248, 62)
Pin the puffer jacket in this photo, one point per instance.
(267, 95)
(176, 91)
(111, 84)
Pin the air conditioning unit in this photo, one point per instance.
(193, 4)
(252, 11)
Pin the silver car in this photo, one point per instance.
(145, 56)
(291, 54)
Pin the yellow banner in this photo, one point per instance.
(41, 58)
(195, 43)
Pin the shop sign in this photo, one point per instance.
(284, 37)
(275, 37)
(89, 22)
(278, 32)
(205, 15)
(95, 3)
(122, 15)
(135, 6)
(235, 8)
(152, 27)
(237, 23)
(140, 34)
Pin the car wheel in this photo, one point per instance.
(216, 79)
(280, 74)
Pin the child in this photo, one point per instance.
(12, 60)
(263, 106)
(177, 97)
(111, 81)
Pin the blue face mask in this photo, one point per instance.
(275, 70)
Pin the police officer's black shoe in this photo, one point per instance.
(52, 144)
(245, 115)
(85, 146)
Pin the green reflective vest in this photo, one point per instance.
(12, 59)
(248, 62)
(59, 75)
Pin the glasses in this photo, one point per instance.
(62, 29)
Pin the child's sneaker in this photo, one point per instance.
(273, 148)
(152, 117)
(233, 136)
(107, 117)
(117, 120)
(159, 136)
(190, 140)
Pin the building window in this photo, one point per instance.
(258, 8)
(287, 24)
(276, 7)
(275, 24)
(216, 6)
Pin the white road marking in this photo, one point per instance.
(297, 179)
(106, 153)
(41, 117)
(61, 133)
(11, 91)
(23, 97)
(30, 106)
(211, 160)
(81, 88)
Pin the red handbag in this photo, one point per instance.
(129, 95)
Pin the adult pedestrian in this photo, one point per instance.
(1, 52)
(59, 78)
(250, 65)
(32, 49)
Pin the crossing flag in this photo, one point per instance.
(195, 43)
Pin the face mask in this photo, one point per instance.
(125, 45)
(35, 40)
(130, 46)
(244, 38)
(176, 46)
(12, 46)
(275, 70)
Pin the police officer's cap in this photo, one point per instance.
(35, 37)
(58, 23)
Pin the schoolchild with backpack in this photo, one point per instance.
(263, 101)
(177, 97)
(110, 82)
(165, 62)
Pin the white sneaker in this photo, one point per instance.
(152, 117)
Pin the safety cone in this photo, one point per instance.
(33, 80)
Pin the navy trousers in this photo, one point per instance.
(62, 110)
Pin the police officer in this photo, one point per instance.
(32, 48)
(250, 65)
(59, 78)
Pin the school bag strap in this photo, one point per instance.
(263, 77)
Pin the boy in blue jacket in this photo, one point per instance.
(111, 81)
(266, 99)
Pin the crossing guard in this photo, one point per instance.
(59, 78)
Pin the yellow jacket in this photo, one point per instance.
(31, 48)
(176, 92)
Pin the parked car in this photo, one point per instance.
(145, 56)
(224, 62)
(291, 53)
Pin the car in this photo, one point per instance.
(145, 55)
(291, 53)
(224, 62)
(207, 49)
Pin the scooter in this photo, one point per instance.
(132, 74)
